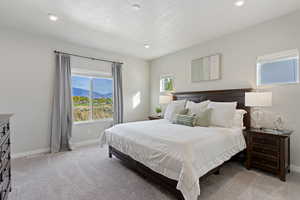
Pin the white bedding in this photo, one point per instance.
(178, 152)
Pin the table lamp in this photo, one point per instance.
(163, 99)
(257, 100)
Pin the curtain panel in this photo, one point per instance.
(61, 117)
(117, 93)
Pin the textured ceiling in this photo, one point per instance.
(167, 25)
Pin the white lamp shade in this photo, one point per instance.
(165, 99)
(258, 99)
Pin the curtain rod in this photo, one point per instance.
(87, 57)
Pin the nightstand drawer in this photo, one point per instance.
(272, 151)
(265, 161)
(267, 140)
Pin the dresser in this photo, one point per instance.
(5, 166)
(269, 150)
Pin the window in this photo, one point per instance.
(279, 68)
(166, 84)
(92, 98)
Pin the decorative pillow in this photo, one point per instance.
(238, 119)
(187, 120)
(184, 111)
(173, 108)
(196, 108)
(222, 113)
(203, 118)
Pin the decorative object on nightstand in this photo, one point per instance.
(269, 150)
(258, 100)
(278, 122)
(5, 170)
(158, 111)
(163, 99)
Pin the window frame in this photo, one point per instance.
(277, 57)
(91, 77)
(160, 80)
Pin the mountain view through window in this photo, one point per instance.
(92, 98)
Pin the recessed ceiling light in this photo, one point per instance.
(136, 6)
(52, 17)
(239, 3)
(147, 46)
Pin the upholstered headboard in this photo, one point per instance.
(234, 95)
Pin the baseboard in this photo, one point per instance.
(30, 153)
(47, 150)
(295, 168)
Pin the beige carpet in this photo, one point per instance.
(88, 174)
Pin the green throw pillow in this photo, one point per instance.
(203, 118)
(187, 120)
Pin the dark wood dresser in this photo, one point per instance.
(5, 170)
(269, 150)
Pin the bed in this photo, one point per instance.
(176, 156)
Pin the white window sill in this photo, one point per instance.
(277, 84)
(93, 121)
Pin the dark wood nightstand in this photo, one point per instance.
(269, 150)
(154, 117)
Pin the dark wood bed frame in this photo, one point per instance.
(234, 95)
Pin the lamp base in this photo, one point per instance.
(257, 117)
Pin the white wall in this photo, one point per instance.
(239, 52)
(26, 86)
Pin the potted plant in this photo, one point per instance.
(158, 111)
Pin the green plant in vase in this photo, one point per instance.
(158, 111)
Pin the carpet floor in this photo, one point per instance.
(88, 174)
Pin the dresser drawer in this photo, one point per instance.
(3, 141)
(4, 129)
(5, 191)
(5, 166)
(4, 148)
(269, 141)
(5, 154)
(5, 176)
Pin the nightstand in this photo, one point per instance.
(154, 117)
(269, 150)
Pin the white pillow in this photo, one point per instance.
(222, 113)
(238, 119)
(173, 108)
(196, 108)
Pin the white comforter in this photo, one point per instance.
(178, 152)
